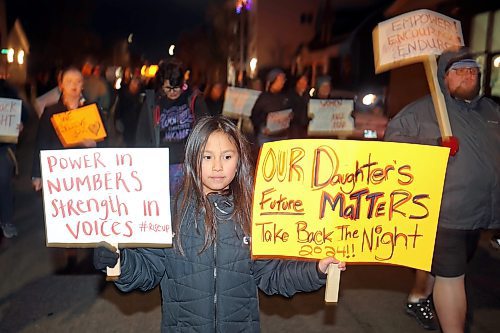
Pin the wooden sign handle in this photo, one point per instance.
(430, 65)
(112, 274)
(240, 122)
(332, 284)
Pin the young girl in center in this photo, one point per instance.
(208, 280)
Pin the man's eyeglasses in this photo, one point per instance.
(171, 89)
(466, 71)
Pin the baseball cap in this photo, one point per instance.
(464, 63)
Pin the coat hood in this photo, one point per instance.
(446, 59)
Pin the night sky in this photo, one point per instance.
(155, 23)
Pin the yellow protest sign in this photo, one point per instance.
(74, 126)
(372, 202)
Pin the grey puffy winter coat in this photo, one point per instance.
(471, 195)
(216, 290)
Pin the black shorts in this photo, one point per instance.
(453, 250)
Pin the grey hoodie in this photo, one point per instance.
(471, 195)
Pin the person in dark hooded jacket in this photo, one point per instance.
(471, 194)
(270, 101)
(208, 280)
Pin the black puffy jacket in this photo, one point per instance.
(216, 290)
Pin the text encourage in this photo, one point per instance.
(357, 201)
(115, 195)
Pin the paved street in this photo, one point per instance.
(37, 295)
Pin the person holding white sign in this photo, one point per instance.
(208, 280)
(8, 166)
(271, 113)
(323, 89)
(471, 195)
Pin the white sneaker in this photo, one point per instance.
(495, 242)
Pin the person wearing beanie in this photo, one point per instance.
(273, 75)
(323, 87)
(273, 99)
(471, 194)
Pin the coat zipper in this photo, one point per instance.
(215, 286)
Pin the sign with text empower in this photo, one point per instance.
(357, 201)
(411, 37)
(118, 195)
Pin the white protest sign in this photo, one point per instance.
(10, 119)
(330, 116)
(117, 195)
(278, 121)
(238, 102)
(411, 37)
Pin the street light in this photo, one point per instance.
(369, 99)
(243, 3)
(253, 66)
(496, 62)
(10, 55)
(20, 57)
(171, 50)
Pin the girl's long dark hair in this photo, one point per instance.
(240, 188)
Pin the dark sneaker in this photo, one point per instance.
(9, 230)
(423, 313)
(495, 241)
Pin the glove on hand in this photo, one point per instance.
(104, 257)
(450, 142)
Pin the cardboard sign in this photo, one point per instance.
(238, 102)
(330, 116)
(10, 119)
(372, 202)
(278, 121)
(76, 125)
(409, 38)
(120, 196)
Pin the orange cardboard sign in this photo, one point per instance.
(74, 126)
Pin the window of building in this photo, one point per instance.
(485, 44)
